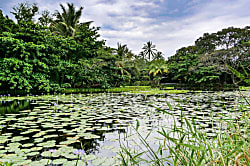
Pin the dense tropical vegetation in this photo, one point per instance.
(206, 62)
(58, 51)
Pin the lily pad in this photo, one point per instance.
(73, 163)
(32, 154)
(19, 138)
(59, 161)
(47, 144)
(90, 157)
(28, 145)
(99, 161)
(36, 148)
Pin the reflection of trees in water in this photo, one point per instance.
(93, 145)
(206, 111)
(90, 146)
(118, 122)
(10, 107)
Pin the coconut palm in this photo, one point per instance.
(149, 50)
(124, 53)
(66, 22)
(157, 68)
(158, 55)
(122, 50)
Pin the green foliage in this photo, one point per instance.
(6, 24)
(179, 69)
(122, 50)
(159, 56)
(6, 164)
(25, 12)
(45, 19)
(24, 64)
(34, 59)
(69, 53)
(205, 63)
(15, 74)
(243, 77)
(157, 68)
(66, 22)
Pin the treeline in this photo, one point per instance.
(57, 51)
(207, 63)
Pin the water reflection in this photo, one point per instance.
(14, 106)
(95, 122)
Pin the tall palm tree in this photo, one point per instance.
(122, 50)
(66, 22)
(158, 55)
(149, 50)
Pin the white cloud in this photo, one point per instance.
(173, 11)
(134, 28)
(134, 22)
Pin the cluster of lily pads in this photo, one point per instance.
(57, 128)
(219, 137)
(208, 109)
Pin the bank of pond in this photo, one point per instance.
(139, 128)
(161, 89)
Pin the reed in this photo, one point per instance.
(187, 144)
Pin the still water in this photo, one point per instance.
(41, 130)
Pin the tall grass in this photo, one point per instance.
(187, 144)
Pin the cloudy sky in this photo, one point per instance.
(170, 24)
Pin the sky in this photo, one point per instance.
(169, 24)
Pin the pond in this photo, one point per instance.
(47, 130)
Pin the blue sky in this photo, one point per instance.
(170, 24)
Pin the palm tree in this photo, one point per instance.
(149, 50)
(158, 55)
(157, 68)
(66, 22)
(122, 50)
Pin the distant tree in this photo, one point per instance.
(157, 68)
(206, 43)
(179, 69)
(6, 24)
(141, 55)
(45, 19)
(180, 53)
(25, 12)
(122, 50)
(158, 55)
(88, 38)
(230, 37)
(149, 50)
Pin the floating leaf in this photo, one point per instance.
(27, 145)
(59, 161)
(32, 154)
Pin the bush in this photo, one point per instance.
(142, 83)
